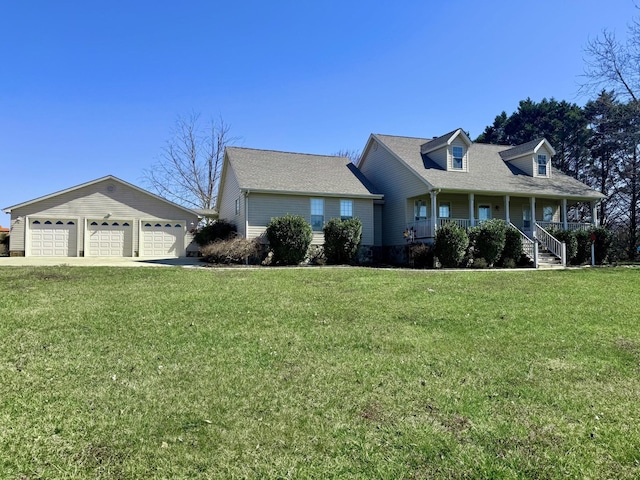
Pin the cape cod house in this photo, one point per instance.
(407, 185)
(429, 181)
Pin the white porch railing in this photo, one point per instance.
(421, 228)
(560, 225)
(528, 245)
(555, 246)
(461, 222)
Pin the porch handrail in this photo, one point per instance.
(528, 245)
(570, 225)
(421, 228)
(552, 244)
(461, 222)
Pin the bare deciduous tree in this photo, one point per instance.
(188, 171)
(614, 65)
(353, 155)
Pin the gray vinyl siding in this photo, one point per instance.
(94, 202)
(524, 163)
(397, 183)
(227, 202)
(440, 157)
(265, 206)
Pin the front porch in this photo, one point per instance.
(470, 210)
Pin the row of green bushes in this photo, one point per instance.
(493, 243)
(289, 240)
(578, 244)
(290, 237)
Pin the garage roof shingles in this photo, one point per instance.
(487, 172)
(284, 172)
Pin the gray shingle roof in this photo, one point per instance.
(268, 170)
(519, 150)
(488, 172)
(438, 142)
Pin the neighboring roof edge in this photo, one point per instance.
(526, 148)
(392, 153)
(93, 182)
(443, 140)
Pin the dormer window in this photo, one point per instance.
(542, 165)
(458, 153)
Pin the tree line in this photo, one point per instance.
(596, 143)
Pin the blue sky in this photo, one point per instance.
(89, 89)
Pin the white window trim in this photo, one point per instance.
(448, 205)
(546, 165)
(346, 217)
(321, 200)
(462, 162)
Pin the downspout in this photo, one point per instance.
(246, 214)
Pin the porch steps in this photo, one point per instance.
(547, 260)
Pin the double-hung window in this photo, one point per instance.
(458, 154)
(542, 165)
(444, 211)
(420, 210)
(317, 214)
(547, 213)
(346, 209)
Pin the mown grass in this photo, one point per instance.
(318, 373)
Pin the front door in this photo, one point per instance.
(484, 213)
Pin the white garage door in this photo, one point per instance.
(53, 238)
(162, 239)
(109, 238)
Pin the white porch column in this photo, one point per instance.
(565, 224)
(507, 213)
(594, 214)
(434, 217)
(472, 215)
(533, 214)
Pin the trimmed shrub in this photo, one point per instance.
(289, 239)
(232, 250)
(341, 240)
(569, 239)
(512, 248)
(490, 240)
(420, 255)
(451, 244)
(603, 245)
(219, 230)
(583, 247)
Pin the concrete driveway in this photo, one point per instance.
(187, 262)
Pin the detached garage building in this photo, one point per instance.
(106, 217)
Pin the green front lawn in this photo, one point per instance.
(319, 373)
